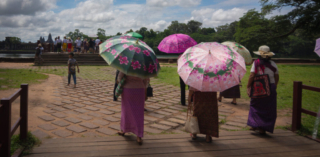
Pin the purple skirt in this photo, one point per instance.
(132, 110)
(263, 111)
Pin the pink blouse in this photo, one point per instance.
(134, 82)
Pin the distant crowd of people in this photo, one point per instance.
(79, 46)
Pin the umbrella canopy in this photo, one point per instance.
(92, 36)
(130, 56)
(244, 52)
(211, 66)
(317, 48)
(176, 43)
(134, 34)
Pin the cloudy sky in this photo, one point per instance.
(30, 19)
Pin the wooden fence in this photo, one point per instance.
(6, 130)
(297, 104)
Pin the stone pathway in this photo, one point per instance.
(89, 109)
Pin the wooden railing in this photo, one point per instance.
(297, 104)
(6, 130)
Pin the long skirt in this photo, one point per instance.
(233, 92)
(132, 110)
(64, 47)
(263, 111)
(69, 47)
(206, 110)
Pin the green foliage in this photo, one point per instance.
(305, 14)
(27, 144)
(74, 35)
(12, 78)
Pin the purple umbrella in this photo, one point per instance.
(317, 49)
(176, 43)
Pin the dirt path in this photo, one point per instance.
(39, 97)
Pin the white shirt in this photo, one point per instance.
(55, 42)
(268, 71)
(78, 42)
(69, 41)
(58, 41)
(97, 42)
(65, 40)
(41, 49)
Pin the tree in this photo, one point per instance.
(101, 32)
(74, 35)
(15, 40)
(206, 31)
(177, 27)
(193, 26)
(119, 33)
(304, 15)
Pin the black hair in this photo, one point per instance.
(263, 61)
(71, 54)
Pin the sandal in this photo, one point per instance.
(193, 136)
(253, 129)
(139, 142)
(208, 139)
(121, 133)
(262, 132)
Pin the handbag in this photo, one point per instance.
(260, 87)
(149, 91)
(192, 125)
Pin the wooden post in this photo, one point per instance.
(24, 112)
(5, 125)
(296, 109)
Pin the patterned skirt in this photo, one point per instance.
(233, 92)
(132, 110)
(263, 111)
(205, 108)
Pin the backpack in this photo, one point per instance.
(38, 51)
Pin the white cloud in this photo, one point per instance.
(170, 3)
(26, 7)
(213, 18)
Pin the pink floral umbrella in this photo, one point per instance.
(317, 48)
(176, 43)
(211, 66)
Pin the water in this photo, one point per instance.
(16, 55)
(316, 125)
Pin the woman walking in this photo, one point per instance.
(263, 111)
(205, 107)
(233, 92)
(132, 105)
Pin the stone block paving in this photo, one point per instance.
(89, 110)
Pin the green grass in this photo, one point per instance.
(12, 78)
(28, 144)
(308, 74)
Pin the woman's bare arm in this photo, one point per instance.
(250, 79)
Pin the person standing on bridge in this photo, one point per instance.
(72, 63)
(64, 44)
(263, 111)
(58, 44)
(78, 45)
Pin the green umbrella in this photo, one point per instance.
(134, 34)
(130, 56)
